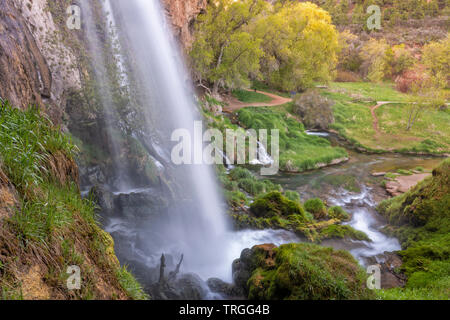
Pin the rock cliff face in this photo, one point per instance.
(35, 66)
(183, 14)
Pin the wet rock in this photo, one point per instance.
(140, 204)
(191, 287)
(226, 290)
(103, 197)
(378, 174)
(390, 264)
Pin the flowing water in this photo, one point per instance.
(352, 186)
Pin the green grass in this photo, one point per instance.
(368, 91)
(130, 285)
(261, 86)
(430, 133)
(298, 151)
(27, 139)
(354, 121)
(250, 96)
(420, 219)
(338, 231)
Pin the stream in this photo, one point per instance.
(352, 186)
(349, 185)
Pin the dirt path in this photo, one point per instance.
(233, 104)
(374, 115)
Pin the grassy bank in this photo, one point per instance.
(354, 121)
(420, 219)
(45, 224)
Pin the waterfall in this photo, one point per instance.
(196, 223)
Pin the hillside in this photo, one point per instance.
(420, 219)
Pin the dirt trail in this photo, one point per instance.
(233, 104)
(374, 115)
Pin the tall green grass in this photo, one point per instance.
(27, 139)
(49, 213)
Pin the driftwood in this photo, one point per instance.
(163, 281)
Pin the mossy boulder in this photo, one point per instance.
(275, 204)
(316, 207)
(300, 272)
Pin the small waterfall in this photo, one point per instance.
(262, 156)
(361, 206)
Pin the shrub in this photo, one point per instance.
(314, 109)
(292, 195)
(316, 207)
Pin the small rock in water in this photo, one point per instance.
(379, 174)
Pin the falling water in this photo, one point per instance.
(196, 224)
(104, 87)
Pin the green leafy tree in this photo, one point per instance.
(376, 56)
(300, 45)
(436, 58)
(224, 52)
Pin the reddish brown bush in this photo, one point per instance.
(347, 76)
(408, 79)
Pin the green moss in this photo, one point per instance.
(275, 204)
(342, 232)
(292, 195)
(316, 207)
(338, 213)
(420, 219)
(308, 272)
(390, 175)
(242, 179)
